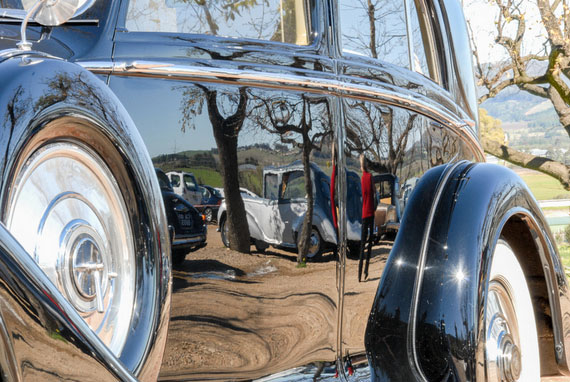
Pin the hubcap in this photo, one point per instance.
(67, 211)
(502, 346)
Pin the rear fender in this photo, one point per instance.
(427, 320)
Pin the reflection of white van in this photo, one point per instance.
(185, 185)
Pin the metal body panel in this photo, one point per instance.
(429, 338)
(258, 314)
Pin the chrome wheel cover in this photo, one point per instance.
(67, 211)
(511, 347)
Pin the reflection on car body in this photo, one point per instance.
(187, 227)
(225, 92)
(276, 218)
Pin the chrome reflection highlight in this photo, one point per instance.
(68, 211)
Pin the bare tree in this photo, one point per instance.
(226, 130)
(551, 84)
(304, 123)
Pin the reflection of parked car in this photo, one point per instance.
(210, 204)
(185, 185)
(387, 215)
(188, 230)
(276, 218)
(84, 265)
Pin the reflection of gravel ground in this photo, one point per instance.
(259, 314)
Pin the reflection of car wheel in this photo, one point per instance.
(315, 246)
(353, 249)
(178, 256)
(511, 345)
(79, 203)
(209, 215)
(224, 231)
(260, 245)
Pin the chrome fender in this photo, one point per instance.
(38, 89)
(427, 319)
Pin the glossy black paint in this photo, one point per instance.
(480, 203)
(448, 335)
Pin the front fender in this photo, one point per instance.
(427, 320)
(38, 90)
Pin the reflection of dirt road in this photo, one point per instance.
(258, 314)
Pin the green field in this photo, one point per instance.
(544, 187)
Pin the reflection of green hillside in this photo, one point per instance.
(204, 164)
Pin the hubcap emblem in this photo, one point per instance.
(88, 268)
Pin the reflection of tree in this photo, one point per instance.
(302, 122)
(376, 28)
(381, 132)
(226, 131)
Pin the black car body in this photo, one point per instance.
(229, 89)
(186, 225)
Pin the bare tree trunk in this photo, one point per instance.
(305, 238)
(226, 135)
(544, 165)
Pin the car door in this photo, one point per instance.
(292, 204)
(200, 81)
(399, 113)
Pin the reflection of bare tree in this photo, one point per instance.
(226, 130)
(381, 132)
(376, 28)
(302, 122)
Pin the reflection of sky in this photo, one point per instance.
(158, 117)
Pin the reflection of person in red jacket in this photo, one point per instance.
(367, 184)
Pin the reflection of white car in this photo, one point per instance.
(244, 192)
(185, 185)
(276, 218)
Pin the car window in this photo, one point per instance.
(205, 192)
(175, 180)
(163, 180)
(284, 21)
(271, 187)
(190, 182)
(378, 31)
(293, 185)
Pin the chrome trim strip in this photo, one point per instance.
(412, 322)
(33, 272)
(414, 102)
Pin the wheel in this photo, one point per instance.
(353, 249)
(178, 256)
(260, 245)
(315, 246)
(209, 215)
(224, 231)
(89, 211)
(511, 346)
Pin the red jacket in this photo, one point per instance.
(367, 195)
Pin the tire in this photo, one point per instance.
(353, 249)
(84, 202)
(260, 245)
(209, 215)
(511, 341)
(178, 256)
(316, 246)
(224, 232)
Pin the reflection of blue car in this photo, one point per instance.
(187, 229)
(211, 200)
